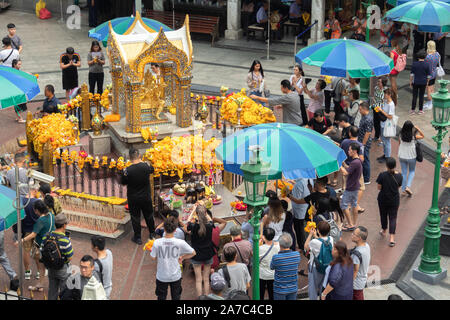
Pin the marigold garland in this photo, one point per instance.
(54, 128)
(185, 151)
(252, 112)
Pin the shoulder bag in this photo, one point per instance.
(9, 55)
(265, 255)
(390, 125)
(249, 267)
(419, 153)
(439, 70)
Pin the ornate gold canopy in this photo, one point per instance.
(131, 52)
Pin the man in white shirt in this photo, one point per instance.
(170, 253)
(103, 263)
(361, 261)
(8, 54)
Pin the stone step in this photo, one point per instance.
(114, 235)
(124, 220)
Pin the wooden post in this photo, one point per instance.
(85, 108)
(29, 141)
(47, 159)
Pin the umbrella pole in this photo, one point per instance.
(19, 231)
(268, 57)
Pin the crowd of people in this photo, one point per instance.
(47, 243)
(69, 62)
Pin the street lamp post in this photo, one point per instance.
(429, 270)
(255, 181)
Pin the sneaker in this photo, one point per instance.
(28, 275)
(339, 190)
(368, 182)
(412, 112)
(37, 276)
(382, 158)
(420, 112)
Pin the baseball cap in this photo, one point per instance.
(61, 219)
(217, 282)
(235, 230)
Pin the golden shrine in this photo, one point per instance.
(139, 96)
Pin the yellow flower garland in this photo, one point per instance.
(252, 112)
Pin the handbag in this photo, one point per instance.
(439, 70)
(390, 125)
(419, 153)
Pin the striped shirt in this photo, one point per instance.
(285, 264)
(65, 246)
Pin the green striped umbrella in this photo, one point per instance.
(8, 214)
(16, 87)
(428, 15)
(339, 57)
(290, 149)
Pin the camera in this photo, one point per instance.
(39, 176)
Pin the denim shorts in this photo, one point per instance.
(349, 199)
(209, 261)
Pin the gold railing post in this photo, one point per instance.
(228, 180)
(85, 108)
(47, 159)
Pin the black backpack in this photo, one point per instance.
(100, 267)
(233, 294)
(51, 254)
(356, 253)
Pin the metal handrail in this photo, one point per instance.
(299, 35)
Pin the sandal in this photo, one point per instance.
(21, 121)
(348, 229)
(36, 288)
(361, 210)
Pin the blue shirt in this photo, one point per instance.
(300, 191)
(51, 105)
(261, 15)
(365, 125)
(294, 10)
(30, 216)
(285, 264)
(247, 227)
(421, 71)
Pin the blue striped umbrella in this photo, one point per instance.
(428, 15)
(120, 25)
(400, 2)
(339, 57)
(8, 214)
(16, 87)
(294, 151)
